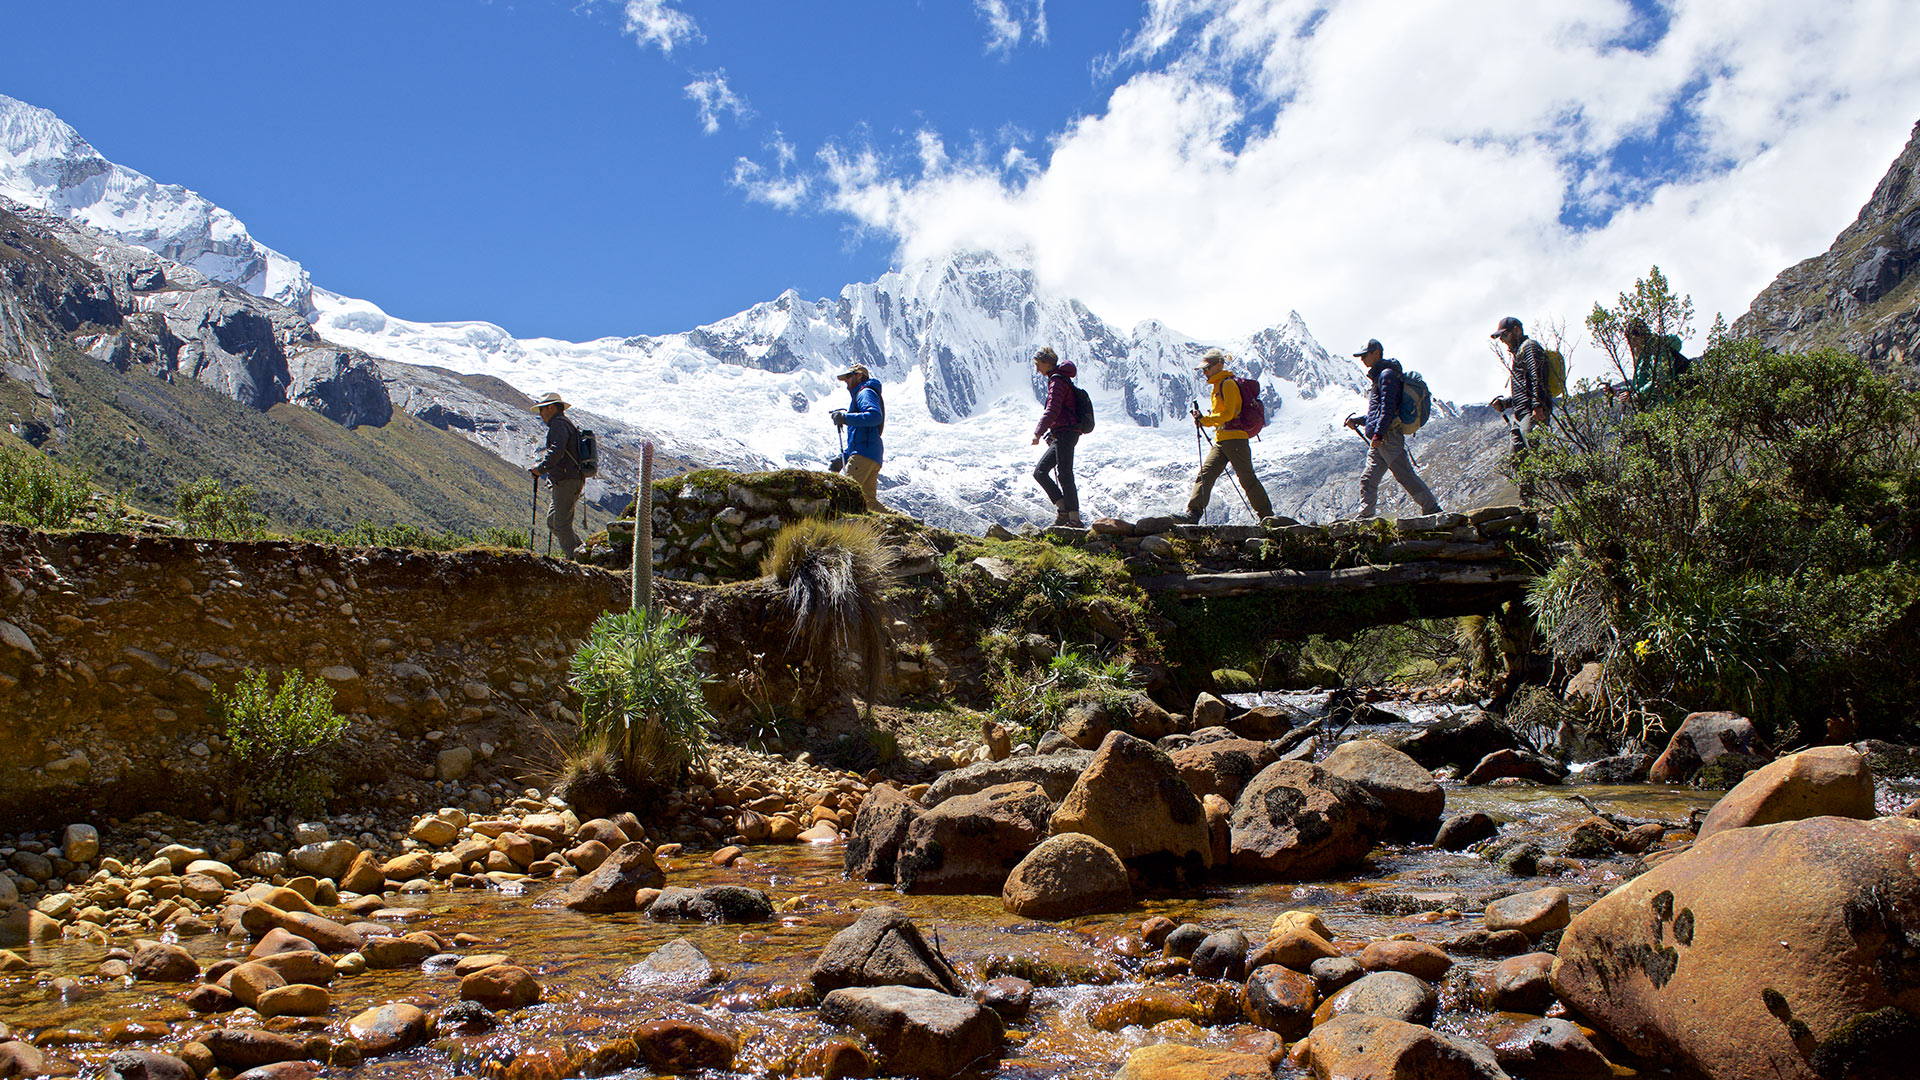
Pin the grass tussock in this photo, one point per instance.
(834, 575)
(642, 695)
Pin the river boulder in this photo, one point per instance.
(1357, 1046)
(1781, 950)
(1395, 995)
(1131, 798)
(882, 948)
(1702, 739)
(614, 884)
(1055, 773)
(711, 904)
(1460, 741)
(917, 1032)
(1297, 820)
(1173, 1061)
(1222, 766)
(1823, 781)
(969, 843)
(1067, 875)
(1403, 785)
(879, 828)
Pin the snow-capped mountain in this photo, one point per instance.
(950, 340)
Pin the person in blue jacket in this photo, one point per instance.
(1386, 442)
(864, 419)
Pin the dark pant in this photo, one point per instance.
(1239, 454)
(566, 496)
(1059, 458)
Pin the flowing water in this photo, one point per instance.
(593, 994)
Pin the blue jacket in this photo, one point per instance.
(1383, 402)
(866, 418)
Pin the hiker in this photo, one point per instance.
(864, 419)
(560, 464)
(1657, 363)
(1386, 442)
(1529, 393)
(1060, 426)
(1231, 447)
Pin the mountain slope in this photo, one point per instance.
(1863, 294)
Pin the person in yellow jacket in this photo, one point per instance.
(1230, 446)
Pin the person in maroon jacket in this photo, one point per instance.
(1060, 426)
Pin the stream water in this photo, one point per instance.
(593, 995)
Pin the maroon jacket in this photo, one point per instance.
(1061, 410)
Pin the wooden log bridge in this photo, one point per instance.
(1348, 579)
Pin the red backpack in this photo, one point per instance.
(1253, 415)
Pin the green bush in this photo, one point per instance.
(641, 694)
(1034, 700)
(205, 508)
(279, 739)
(36, 492)
(1746, 544)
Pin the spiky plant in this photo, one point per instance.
(641, 694)
(834, 576)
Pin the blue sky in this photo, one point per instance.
(1403, 171)
(532, 163)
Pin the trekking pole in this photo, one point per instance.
(1237, 486)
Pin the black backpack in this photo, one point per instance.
(1082, 411)
(586, 452)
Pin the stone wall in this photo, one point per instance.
(112, 646)
(713, 526)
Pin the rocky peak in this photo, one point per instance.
(1863, 295)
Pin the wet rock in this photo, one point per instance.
(399, 952)
(282, 1070)
(1594, 838)
(1403, 785)
(879, 828)
(1263, 722)
(1008, 996)
(1619, 769)
(679, 964)
(155, 962)
(330, 936)
(389, 1029)
(1222, 955)
(1222, 767)
(207, 998)
(1532, 913)
(1184, 939)
(1376, 1046)
(882, 948)
(295, 999)
(613, 886)
(1758, 946)
(1131, 798)
(1154, 931)
(1173, 1061)
(1067, 875)
(1516, 984)
(1462, 831)
(1332, 974)
(835, 1058)
(1219, 828)
(1550, 1049)
(1392, 994)
(1826, 780)
(21, 1059)
(278, 940)
(969, 843)
(1480, 941)
(917, 1032)
(1515, 765)
(1281, 1000)
(146, 1065)
(501, 987)
(1055, 773)
(1146, 1006)
(249, 981)
(364, 875)
(464, 1018)
(300, 967)
(1296, 820)
(239, 1049)
(714, 904)
(1417, 958)
(1460, 741)
(1703, 738)
(674, 1047)
(1297, 947)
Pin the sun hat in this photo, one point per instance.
(546, 400)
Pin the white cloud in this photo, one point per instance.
(1402, 171)
(1009, 23)
(657, 23)
(782, 186)
(712, 96)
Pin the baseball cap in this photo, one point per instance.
(1373, 345)
(1506, 324)
(856, 371)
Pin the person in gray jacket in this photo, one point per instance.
(560, 464)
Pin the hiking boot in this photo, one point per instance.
(1071, 519)
(1186, 519)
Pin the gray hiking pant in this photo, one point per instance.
(1390, 455)
(566, 497)
(1522, 440)
(1239, 454)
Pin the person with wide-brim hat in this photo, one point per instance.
(560, 464)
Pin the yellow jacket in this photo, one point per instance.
(1226, 404)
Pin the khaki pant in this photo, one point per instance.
(1239, 454)
(1391, 456)
(865, 471)
(566, 497)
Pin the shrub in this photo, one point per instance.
(36, 492)
(279, 739)
(642, 694)
(834, 575)
(1034, 700)
(207, 509)
(1747, 544)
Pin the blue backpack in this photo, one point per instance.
(1416, 402)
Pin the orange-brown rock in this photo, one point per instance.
(1826, 780)
(1173, 1061)
(1131, 798)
